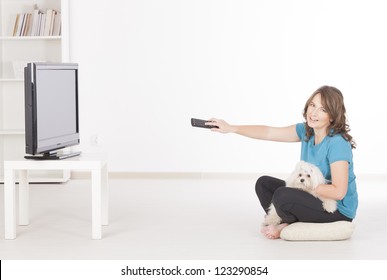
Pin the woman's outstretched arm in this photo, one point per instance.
(261, 132)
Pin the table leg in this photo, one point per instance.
(105, 196)
(23, 198)
(96, 205)
(9, 203)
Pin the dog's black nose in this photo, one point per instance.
(302, 180)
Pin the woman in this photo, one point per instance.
(326, 143)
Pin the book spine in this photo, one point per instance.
(38, 23)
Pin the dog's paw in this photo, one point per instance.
(313, 192)
(330, 205)
(271, 219)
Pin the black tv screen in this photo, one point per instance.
(51, 109)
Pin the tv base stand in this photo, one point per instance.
(53, 156)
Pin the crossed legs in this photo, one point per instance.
(292, 205)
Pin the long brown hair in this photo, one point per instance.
(333, 101)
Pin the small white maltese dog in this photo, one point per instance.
(306, 177)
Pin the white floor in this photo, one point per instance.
(177, 219)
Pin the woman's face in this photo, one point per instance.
(317, 116)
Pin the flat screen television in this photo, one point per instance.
(51, 110)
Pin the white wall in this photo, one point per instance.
(148, 66)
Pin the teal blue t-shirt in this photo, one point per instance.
(331, 149)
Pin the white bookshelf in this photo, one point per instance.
(15, 52)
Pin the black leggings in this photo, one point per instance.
(293, 205)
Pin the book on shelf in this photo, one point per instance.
(38, 23)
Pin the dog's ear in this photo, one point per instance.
(317, 176)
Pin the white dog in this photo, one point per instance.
(306, 177)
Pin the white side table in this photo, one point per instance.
(96, 164)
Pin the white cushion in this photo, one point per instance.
(318, 231)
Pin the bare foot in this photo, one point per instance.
(273, 231)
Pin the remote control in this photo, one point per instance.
(201, 123)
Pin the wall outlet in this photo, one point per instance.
(94, 140)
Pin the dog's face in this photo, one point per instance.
(303, 180)
(306, 176)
